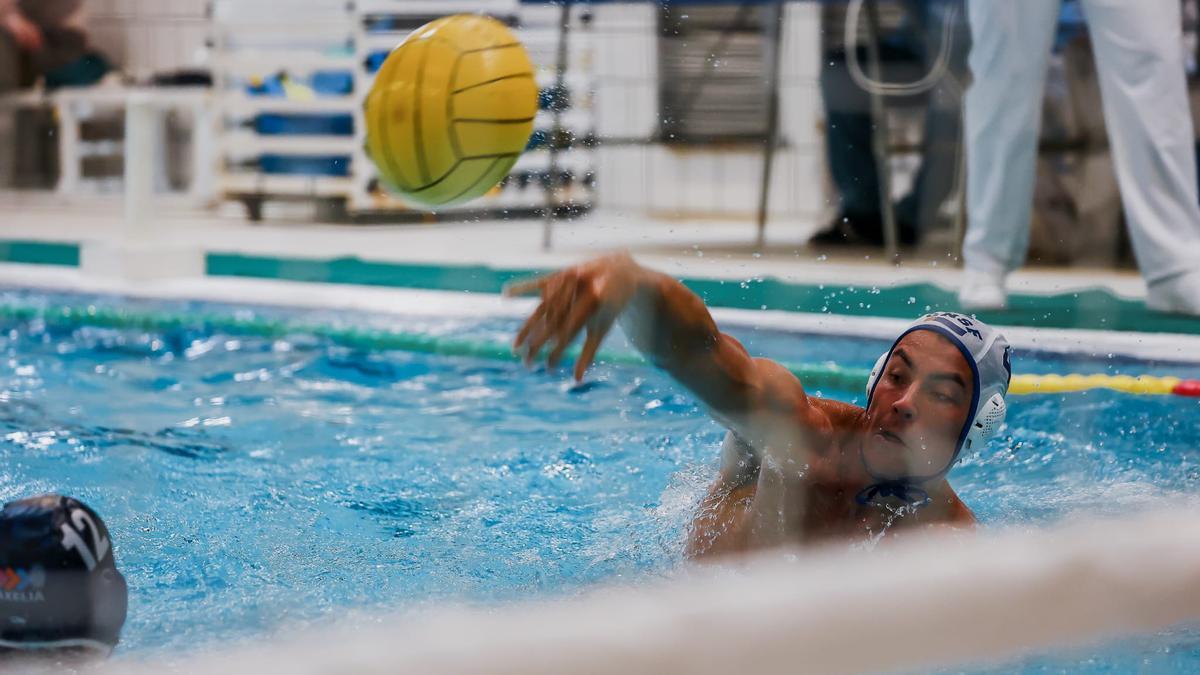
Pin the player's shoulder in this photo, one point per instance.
(960, 513)
(842, 416)
(948, 510)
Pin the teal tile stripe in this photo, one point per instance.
(1092, 309)
(468, 278)
(39, 252)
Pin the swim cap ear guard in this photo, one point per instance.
(986, 423)
(988, 354)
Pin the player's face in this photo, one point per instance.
(918, 409)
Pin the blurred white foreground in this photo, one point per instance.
(927, 601)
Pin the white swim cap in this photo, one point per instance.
(987, 353)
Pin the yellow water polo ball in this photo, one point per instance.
(451, 110)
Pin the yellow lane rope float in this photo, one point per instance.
(1144, 384)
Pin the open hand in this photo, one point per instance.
(589, 296)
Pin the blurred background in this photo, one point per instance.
(651, 111)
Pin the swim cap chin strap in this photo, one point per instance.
(907, 492)
(987, 353)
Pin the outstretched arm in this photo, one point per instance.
(758, 399)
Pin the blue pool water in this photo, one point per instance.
(251, 485)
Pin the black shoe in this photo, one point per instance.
(834, 236)
(852, 230)
(863, 230)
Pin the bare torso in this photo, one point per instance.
(753, 506)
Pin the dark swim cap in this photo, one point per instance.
(59, 585)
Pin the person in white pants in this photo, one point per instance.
(1138, 47)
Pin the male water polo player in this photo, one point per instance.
(61, 596)
(795, 468)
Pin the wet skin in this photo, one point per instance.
(792, 464)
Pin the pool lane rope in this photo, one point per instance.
(813, 375)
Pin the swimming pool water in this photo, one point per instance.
(251, 485)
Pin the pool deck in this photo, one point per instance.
(843, 287)
(706, 249)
